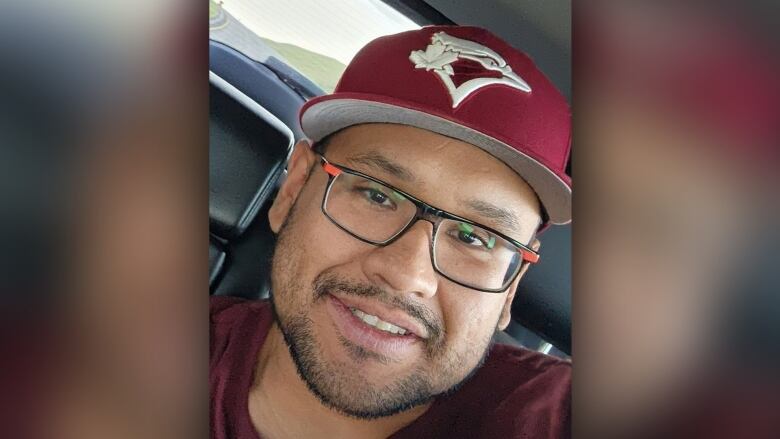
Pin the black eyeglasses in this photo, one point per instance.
(462, 251)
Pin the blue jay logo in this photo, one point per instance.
(445, 50)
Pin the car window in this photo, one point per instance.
(316, 38)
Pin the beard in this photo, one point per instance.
(337, 383)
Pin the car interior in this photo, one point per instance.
(253, 126)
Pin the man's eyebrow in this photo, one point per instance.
(504, 217)
(382, 163)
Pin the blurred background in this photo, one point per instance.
(103, 183)
(675, 291)
(103, 193)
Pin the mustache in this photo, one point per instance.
(327, 282)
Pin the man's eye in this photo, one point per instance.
(377, 197)
(470, 239)
(466, 234)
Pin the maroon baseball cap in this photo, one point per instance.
(465, 83)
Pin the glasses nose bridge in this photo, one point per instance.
(425, 213)
(428, 214)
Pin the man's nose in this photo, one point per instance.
(405, 265)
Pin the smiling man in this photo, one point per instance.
(404, 229)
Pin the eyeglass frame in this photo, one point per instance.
(424, 212)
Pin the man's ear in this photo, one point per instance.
(301, 161)
(503, 321)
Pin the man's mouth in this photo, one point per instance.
(357, 321)
(378, 323)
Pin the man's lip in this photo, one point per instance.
(394, 316)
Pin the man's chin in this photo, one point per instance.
(328, 348)
(361, 400)
(350, 380)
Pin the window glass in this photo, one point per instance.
(317, 38)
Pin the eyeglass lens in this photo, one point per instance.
(464, 252)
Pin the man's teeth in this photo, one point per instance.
(377, 323)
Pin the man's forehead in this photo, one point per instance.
(415, 147)
(379, 161)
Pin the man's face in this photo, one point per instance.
(321, 274)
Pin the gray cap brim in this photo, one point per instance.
(330, 115)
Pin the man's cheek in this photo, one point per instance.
(471, 312)
(315, 252)
(470, 324)
(328, 247)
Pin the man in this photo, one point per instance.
(403, 232)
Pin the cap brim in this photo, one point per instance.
(327, 114)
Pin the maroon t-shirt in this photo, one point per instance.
(516, 394)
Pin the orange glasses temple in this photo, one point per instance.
(330, 169)
(530, 257)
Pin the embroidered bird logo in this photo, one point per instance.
(435, 56)
(446, 49)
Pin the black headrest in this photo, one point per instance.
(258, 82)
(217, 257)
(248, 149)
(543, 299)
